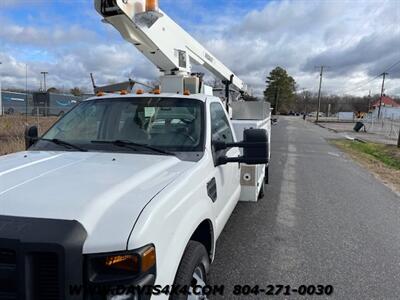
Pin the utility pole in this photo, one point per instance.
(369, 101)
(383, 88)
(319, 93)
(305, 101)
(44, 80)
(276, 100)
(398, 140)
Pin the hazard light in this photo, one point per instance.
(151, 5)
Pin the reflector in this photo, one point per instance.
(152, 5)
(148, 259)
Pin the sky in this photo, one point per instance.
(355, 40)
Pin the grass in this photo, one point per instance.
(382, 160)
(12, 130)
(387, 154)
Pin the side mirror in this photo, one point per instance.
(31, 136)
(255, 148)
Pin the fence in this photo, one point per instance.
(388, 126)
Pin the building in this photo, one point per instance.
(386, 102)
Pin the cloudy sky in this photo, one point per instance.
(357, 40)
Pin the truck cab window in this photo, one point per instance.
(167, 123)
(220, 129)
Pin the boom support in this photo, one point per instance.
(161, 40)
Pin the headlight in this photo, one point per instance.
(135, 268)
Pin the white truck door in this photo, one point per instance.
(227, 176)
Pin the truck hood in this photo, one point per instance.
(105, 192)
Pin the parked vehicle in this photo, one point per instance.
(50, 104)
(15, 103)
(133, 190)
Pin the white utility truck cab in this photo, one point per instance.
(128, 191)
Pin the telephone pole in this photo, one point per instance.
(276, 100)
(44, 80)
(369, 101)
(380, 100)
(319, 92)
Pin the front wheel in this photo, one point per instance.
(193, 272)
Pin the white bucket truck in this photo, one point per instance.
(128, 191)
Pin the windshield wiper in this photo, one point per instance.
(127, 144)
(65, 144)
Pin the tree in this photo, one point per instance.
(76, 91)
(280, 91)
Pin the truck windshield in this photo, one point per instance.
(156, 125)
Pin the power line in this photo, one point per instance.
(370, 80)
(391, 67)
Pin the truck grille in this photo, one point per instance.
(8, 274)
(32, 275)
(45, 275)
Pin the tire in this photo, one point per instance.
(266, 178)
(261, 194)
(194, 265)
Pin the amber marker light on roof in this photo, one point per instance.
(186, 92)
(139, 92)
(151, 5)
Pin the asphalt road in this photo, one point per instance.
(324, 220)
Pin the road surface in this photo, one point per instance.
(324, 220)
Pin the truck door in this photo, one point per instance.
(227, 176)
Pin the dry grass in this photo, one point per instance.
(12, 130)
(381, 160)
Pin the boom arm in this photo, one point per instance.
(161, 40)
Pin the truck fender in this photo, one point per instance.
(169, 250)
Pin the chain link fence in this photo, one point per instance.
(386, 126)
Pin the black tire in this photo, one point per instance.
(266, 178)
(195, 258)
(261, 194)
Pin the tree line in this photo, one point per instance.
(283, 94)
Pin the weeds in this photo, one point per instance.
(12, 129)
